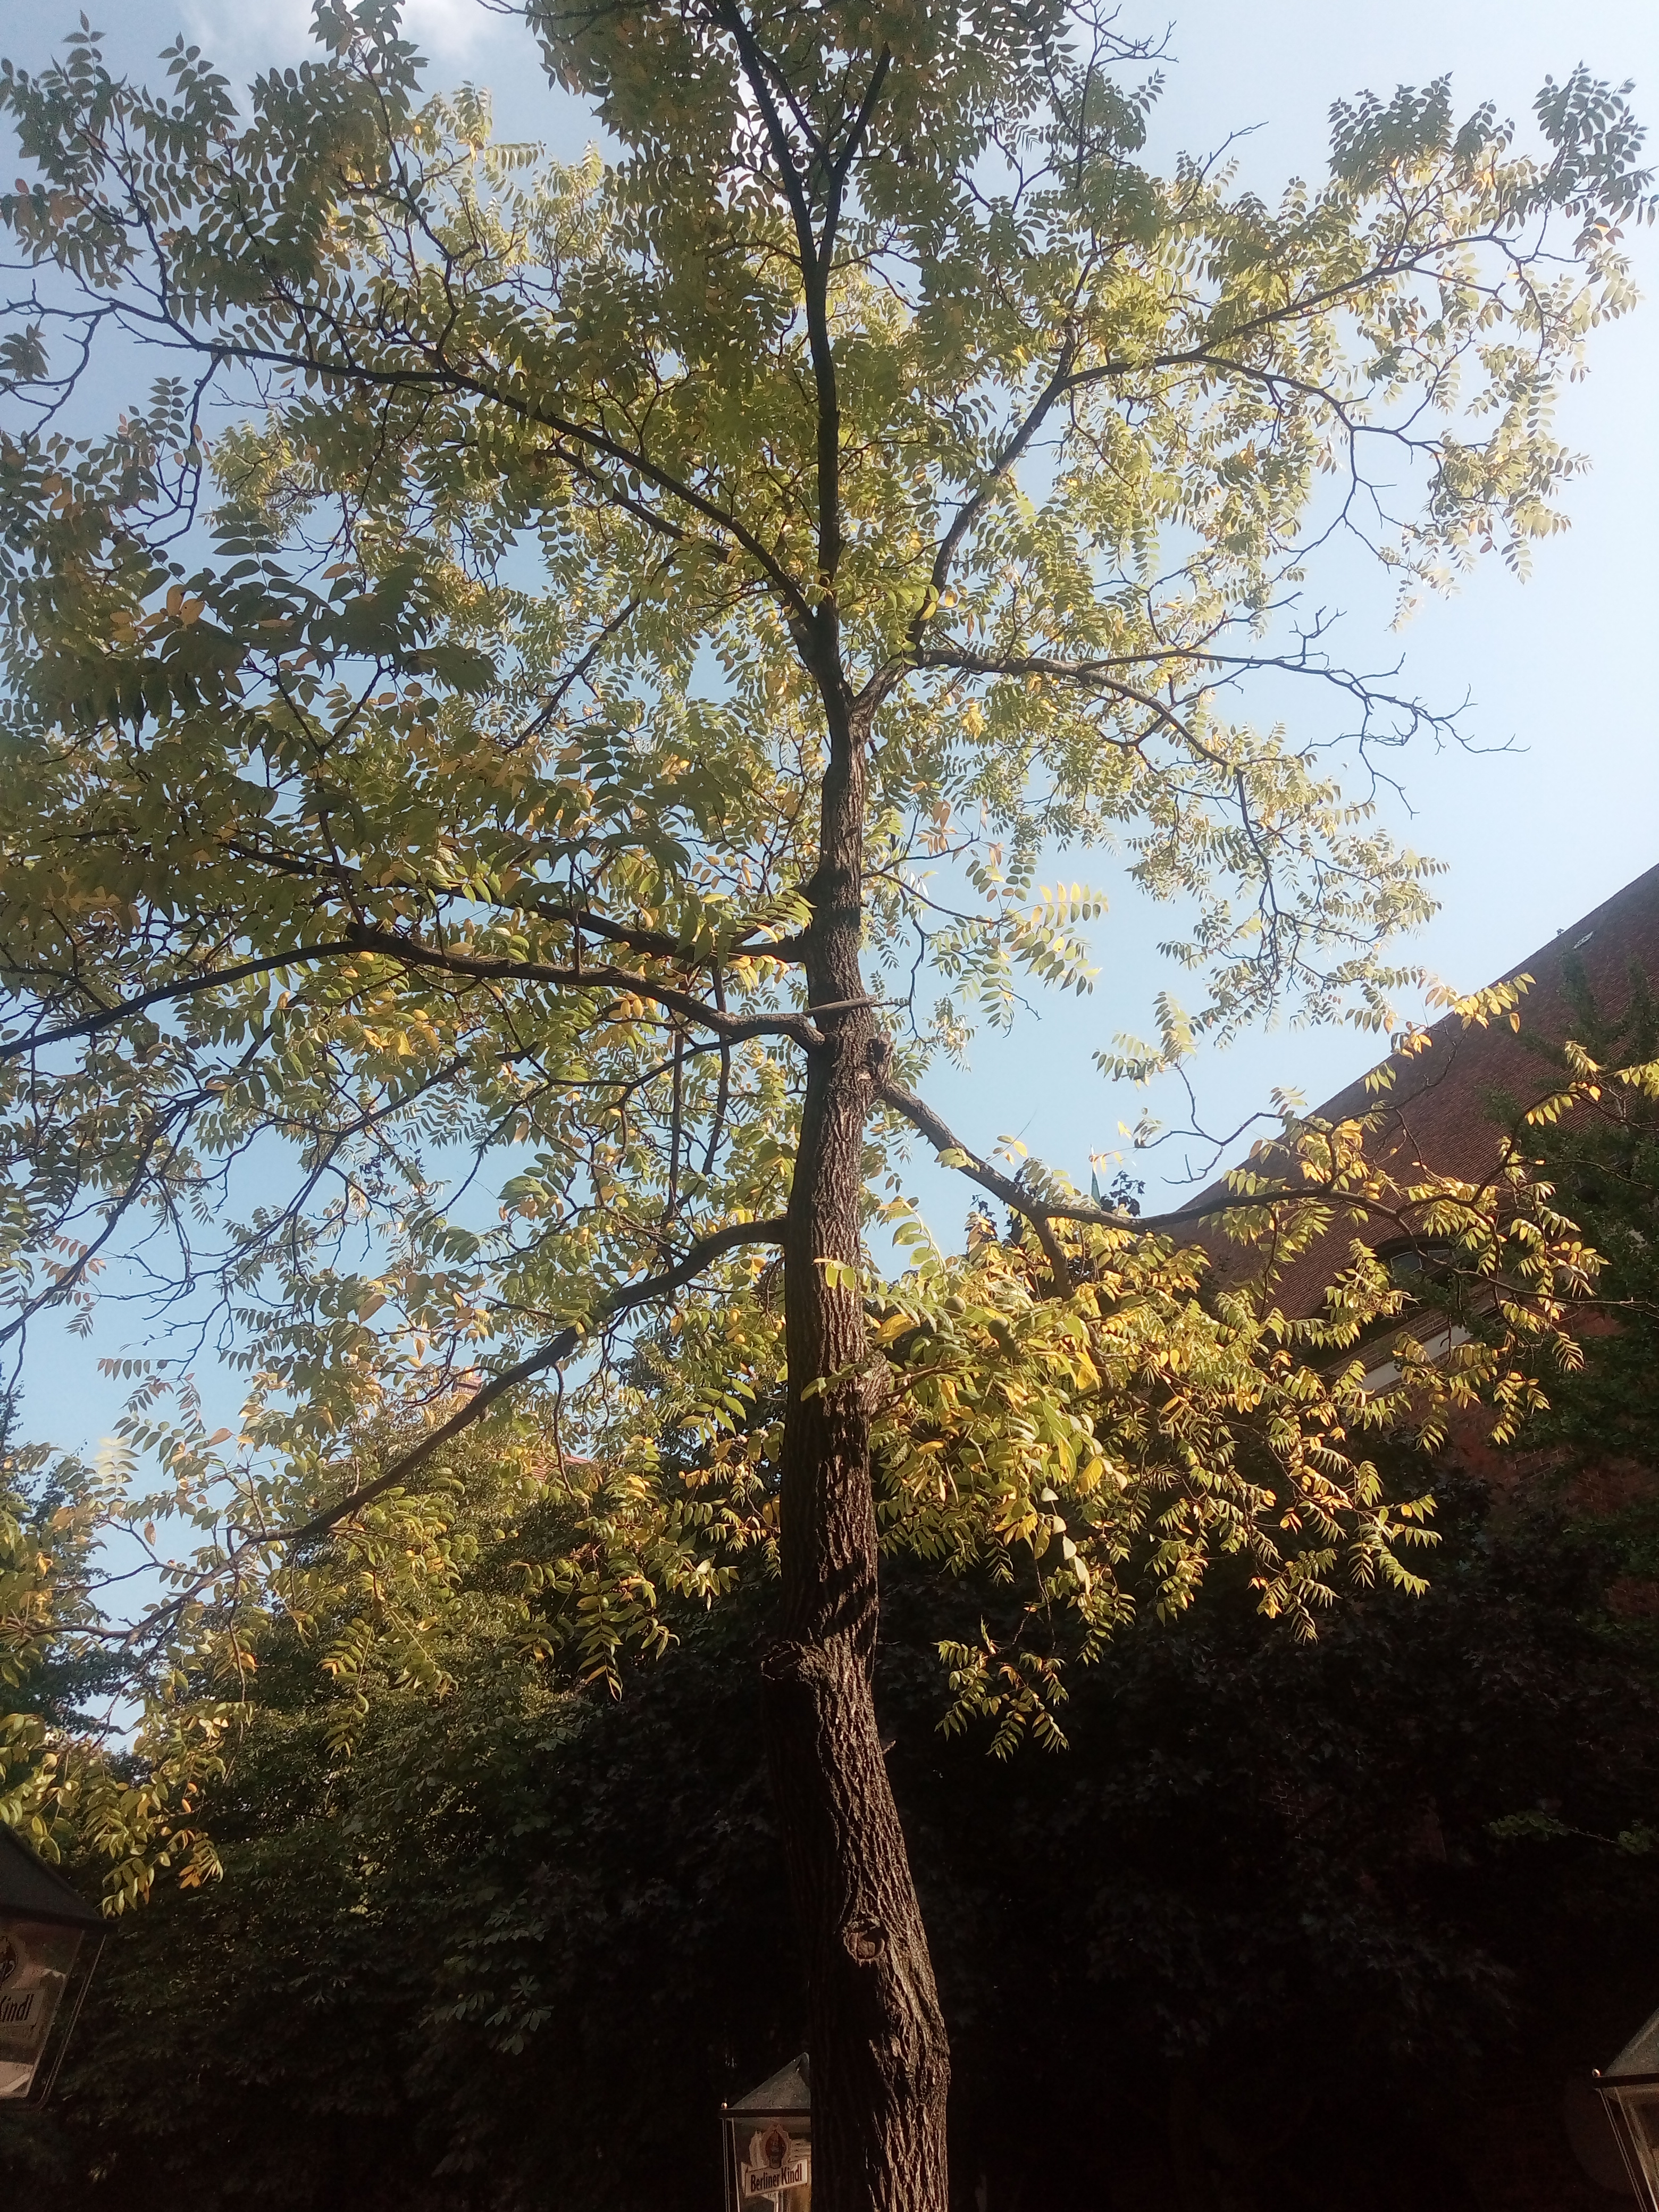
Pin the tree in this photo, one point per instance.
(497, 752)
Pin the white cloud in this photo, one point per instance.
(451, 29)
(242, 39)
(277, 32)
(461, 39)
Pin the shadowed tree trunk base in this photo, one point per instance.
(881, 2066)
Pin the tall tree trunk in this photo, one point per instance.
(880, 2059)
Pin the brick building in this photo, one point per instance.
(1535, 2140)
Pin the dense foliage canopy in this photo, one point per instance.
(410, 825)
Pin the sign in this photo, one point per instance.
(34, 1963)
(775, 2162)
(28, 1997)
(42, 1925)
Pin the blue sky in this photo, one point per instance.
(1557, 668)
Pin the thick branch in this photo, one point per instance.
(657, 943)
(962, 521)
(475, 967)
(706, 1248)
(184, 986)
(1093, 673)
(480, 967)
(447, 377)
(1041, 1211)
(553, 1354)
(815, 285)
(922, 1116)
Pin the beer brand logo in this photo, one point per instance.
(776, 2162)
(9, 1959)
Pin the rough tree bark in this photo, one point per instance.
(880, 2058)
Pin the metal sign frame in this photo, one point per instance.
(1639, 2166)
(741, 2115)
(34, 1894)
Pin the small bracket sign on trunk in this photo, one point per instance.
(769, 2144)
(46, 1930)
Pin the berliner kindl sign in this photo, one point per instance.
(769, 2144)
(775, 2161)
(44, 1924)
